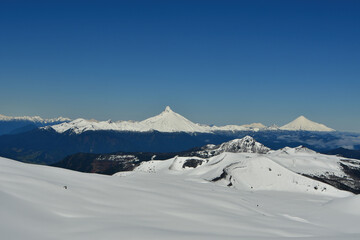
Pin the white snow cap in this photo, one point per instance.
(170, 121)
(166, 121)
(168, 109)
(33, 119)
(303, 124)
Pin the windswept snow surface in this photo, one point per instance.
(244, 171)
(306, 161)
(169, 204)
(303, 124)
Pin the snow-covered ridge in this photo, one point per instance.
(247, 164)
(34, 119)
(166, 121)
(255, 172)
(303, 124)
(246, 144)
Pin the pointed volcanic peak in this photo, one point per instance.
(170, 121)
(167, 121)
(303, 124)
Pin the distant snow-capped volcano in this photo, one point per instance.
(170, 121)
(166, 121)
(303, 124)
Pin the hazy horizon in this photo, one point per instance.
(239, 123)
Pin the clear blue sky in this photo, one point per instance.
(215, 62)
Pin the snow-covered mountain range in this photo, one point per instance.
(34, 119)
(337, 171)
(12, 125)
(170, 121)
(246, 163)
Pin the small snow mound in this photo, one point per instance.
(302, 149)
(262, 173)
(297, 150)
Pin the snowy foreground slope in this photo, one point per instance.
(174, 203)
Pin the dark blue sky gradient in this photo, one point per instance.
(215, 62)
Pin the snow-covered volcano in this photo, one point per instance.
(170, 121)
(166, 121)
(303, 124)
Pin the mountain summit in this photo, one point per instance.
(303, 124)
(246, 144)
(170, 121)
(166, 121)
